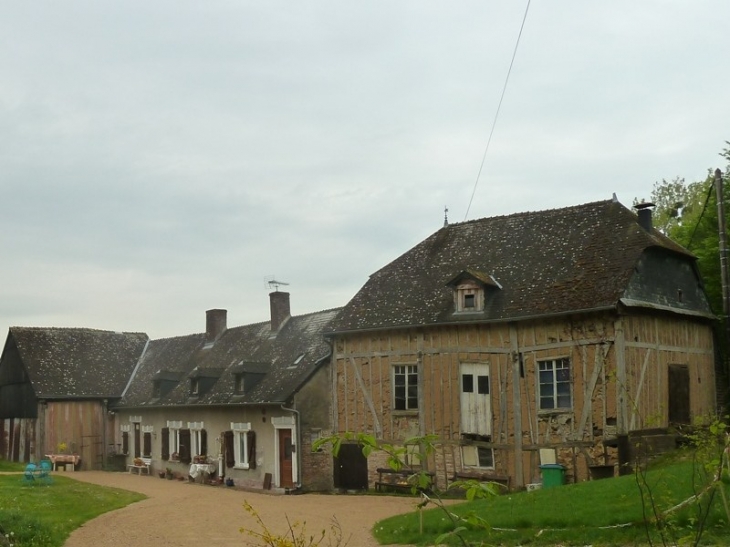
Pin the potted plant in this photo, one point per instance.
(162, 474)
(168, 473)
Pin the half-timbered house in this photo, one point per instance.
(558, 330)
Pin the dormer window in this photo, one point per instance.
(469, 297)
(472, 289)
(194, 386)
(239, 385)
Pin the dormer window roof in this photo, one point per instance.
(471, 289)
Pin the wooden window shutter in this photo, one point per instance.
(125, 442)
(147, 445)
(203, 442)
(165, 443)
(251, 449)
(185, 456)
(228, 442)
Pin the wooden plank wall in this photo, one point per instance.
(79, 424)
(362, 383)
(17, 439)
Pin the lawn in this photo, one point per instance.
(604, 512)
(40, 515)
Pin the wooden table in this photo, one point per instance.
(64, 460)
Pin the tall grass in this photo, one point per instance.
(605, 512)
(43, 515)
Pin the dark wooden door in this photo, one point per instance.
(351, 468)
(679, 394)
(137, 441)
(285, 459)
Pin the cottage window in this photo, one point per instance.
(147, 444)
(554, 379)
(469, 298)
(239, 384)
(241, 449)
(198, 439)
(173, 443)
(405, 387)
(156, 389)
(194, 386)
(469, 301)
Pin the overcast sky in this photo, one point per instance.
(158, 159)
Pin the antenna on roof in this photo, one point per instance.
(446, 216)
(273, 283)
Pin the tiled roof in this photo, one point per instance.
(546, 262)
(74, 362)
(249, 348)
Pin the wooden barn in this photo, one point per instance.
(543, 333)
(56, 385)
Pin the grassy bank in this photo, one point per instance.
(604, 512)
(44, 515)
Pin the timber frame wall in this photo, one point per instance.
(619, 369)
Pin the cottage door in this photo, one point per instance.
(285, 459)
(476, 404)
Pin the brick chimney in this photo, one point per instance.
(644, 212)
(280, 310)
(215, 324)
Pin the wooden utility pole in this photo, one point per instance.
(723, 263)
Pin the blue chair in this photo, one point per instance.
(29, 474)
(45, 473)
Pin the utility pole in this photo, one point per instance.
(723, 264)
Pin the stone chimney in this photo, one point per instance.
(644, 212)
(280, 310)
(215, 324)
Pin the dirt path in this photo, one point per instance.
(180, 514)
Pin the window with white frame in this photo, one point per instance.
(240, 444)
(197, 446)
(174, 439)
(554, 380)
(405, 387)
(477, 456)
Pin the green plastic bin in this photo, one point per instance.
(553, 474)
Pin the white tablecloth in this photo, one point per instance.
(198, 468)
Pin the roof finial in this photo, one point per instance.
(446, 216)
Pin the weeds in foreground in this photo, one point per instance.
(296, 534)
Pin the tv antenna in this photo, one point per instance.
(273, 283)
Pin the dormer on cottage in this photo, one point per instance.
(472, 290)
(163, 382)
(201, 380)
(247, 375)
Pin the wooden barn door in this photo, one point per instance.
(678, 386)
(476, 404)
(351, 468)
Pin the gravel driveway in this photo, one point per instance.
(181, 514)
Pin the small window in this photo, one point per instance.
(483, 385)
(239, 384)
(405, 387)
(554, 384)
(156, 389)
(469, 301)
(477, 456)
(467, 383)
(194, 386)
(243, 439)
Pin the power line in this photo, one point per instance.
(702, 213)
(499, 106)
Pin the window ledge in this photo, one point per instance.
(554, 411)
(241, 466)
(405, 412)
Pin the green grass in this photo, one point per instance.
(6, 466)
(38, 515)
(580, 514)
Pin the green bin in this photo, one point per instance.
(553, 474)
